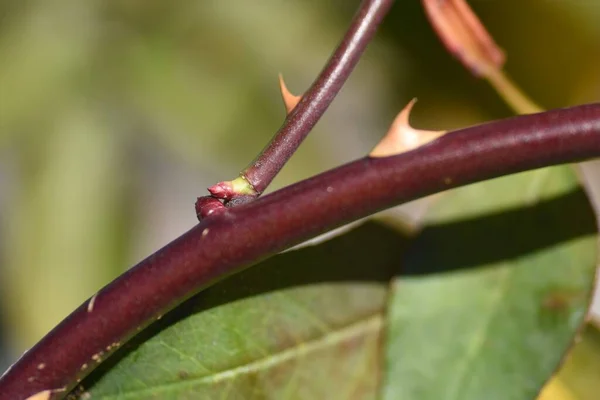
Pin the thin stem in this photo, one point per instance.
(317, 99)
(235, 238)
(511, 94)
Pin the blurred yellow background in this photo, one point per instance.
(115, 115)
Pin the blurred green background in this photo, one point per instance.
(115, 115)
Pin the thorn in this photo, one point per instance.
(464, 35)
(289, 100)
(90, 306)
(401, 137)
(43, 395)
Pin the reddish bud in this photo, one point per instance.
(228, 190)
(207, 205)
(222, 190)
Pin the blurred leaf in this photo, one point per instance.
(65, 226)
(578, 377)
(498, 284)
(303, 325)
(42, 53)
(205, 83)
(586, 13)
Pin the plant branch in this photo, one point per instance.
(235, 238)
(298, 123)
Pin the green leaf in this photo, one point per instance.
(494, 290)
(303, 325)
(578, 377)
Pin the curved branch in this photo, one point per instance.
(236, 238)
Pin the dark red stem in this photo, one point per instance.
(317, 99)
(235, 238)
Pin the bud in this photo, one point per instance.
(228, 190)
